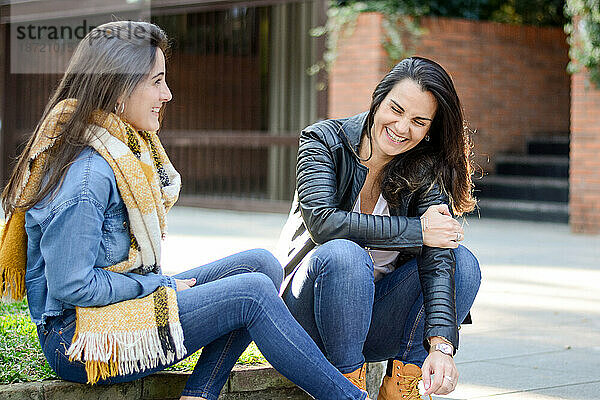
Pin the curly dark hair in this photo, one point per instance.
(444, 159)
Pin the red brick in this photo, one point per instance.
(585, 161)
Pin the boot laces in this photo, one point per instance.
(410, 387)
(358, 379)
(358, 382)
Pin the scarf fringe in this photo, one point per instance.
(97, 370)
(12, 265)
(13, 286)
(110, 354)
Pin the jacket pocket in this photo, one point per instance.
(115, 237)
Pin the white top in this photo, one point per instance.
(382, 259)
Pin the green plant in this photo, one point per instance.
(584, 37)
(340, 22)
(401, 29)
(21, 358)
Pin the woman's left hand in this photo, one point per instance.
(445, 374)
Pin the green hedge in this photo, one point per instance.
(523, 12)
(584, 37)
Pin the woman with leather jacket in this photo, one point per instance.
(373, 266)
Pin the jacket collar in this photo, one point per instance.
(351, 129)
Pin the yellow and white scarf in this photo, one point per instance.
(133, 335)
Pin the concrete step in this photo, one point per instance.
(528, 165)
(245, 383)
(255, 382)
(523, 210)
(551, 145)
(523, 188)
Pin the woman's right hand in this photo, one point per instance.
(440, 229)
(183, 284)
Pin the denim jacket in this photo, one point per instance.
(75, 232)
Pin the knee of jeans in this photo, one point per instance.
(259, 286)
(344, 257)
(467, 268)
(267, 264)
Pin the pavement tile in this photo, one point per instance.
(499, 378)
(499, 343)
(530, 243)
(583, 391)
(516, 396)
(198, 236)
(574, 336)
(582, 363)
(577, 391)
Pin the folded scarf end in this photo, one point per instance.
(12, 286)
(122, 353)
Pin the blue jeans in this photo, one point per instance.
(354, 319)
(235, 300)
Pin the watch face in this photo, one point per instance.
(444, 348)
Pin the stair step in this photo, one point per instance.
(523, 188)
(533, 165)
(523, 210)
(551, 145)
(556, 136)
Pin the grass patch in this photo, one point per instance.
(22, 360)
(251, 356)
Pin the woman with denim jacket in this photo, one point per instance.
(87, 205)
(373, 266)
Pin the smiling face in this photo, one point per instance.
(402, 120)
(143, 106)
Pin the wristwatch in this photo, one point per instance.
(445, 348)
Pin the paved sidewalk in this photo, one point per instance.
(536, 331)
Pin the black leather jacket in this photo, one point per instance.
(329, 178)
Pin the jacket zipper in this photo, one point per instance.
(367, 248)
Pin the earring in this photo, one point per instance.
(427, 138)
(119, 108)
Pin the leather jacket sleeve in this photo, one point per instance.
(317, 184)
(436, 273)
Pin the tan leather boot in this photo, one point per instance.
(402, 385)
(358, 377)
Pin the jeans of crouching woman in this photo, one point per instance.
(234, 301)
(354, 319)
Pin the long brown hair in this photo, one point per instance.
(444, 159)
(106, 67)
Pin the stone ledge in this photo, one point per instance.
(248, 382)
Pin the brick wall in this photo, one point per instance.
(584, 180)
(511, 79)
(360, 64)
